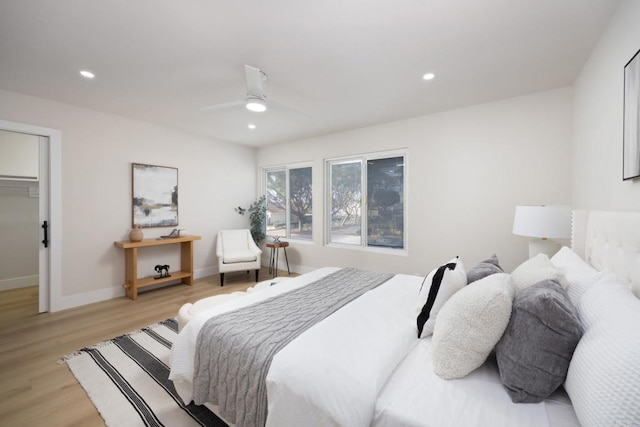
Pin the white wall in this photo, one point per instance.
(598, 108)
(97, 152)
(467, 170)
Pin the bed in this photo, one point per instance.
(363, 365)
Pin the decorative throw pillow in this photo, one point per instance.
(470, 324)
(534, 353)
(483, 269)
(580, 275)
(436, 289)
(571, 264)
(604, 372)
(535, 270)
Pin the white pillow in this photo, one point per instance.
(470, 324)
(604, 373)
(536, 270)
(443, 281)
(580, 275)
(570, 263)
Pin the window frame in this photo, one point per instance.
(364, 244)
(286, 168)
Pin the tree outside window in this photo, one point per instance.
(376, 220)
(346, 202)
(385, 195)
(291, 216)
(300, 203)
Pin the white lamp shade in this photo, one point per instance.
(551, 222)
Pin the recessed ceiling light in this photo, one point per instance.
(87, 74)
(428, 76)
(251, 126)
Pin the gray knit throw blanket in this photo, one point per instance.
(234, 350)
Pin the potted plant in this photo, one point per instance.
(257, 214)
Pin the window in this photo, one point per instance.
(346, 202)
(289, 202)
(373, 219)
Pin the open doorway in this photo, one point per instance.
(20, 218)
(49, 187)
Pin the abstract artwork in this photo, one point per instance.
(155, 196)
(631, 144)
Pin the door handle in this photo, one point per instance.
(45, 227)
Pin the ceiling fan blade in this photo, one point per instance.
(223, 105)
(286, 109)
(255, 81)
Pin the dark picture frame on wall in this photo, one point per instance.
(155, 195)
(631, 135)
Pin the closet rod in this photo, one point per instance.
(26, 178)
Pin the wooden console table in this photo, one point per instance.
(131, 280)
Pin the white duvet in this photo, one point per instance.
(363, 365)
(332, 373)
(415, 396)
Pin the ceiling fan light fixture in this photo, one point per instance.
(256, 105)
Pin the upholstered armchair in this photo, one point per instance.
(237, 251)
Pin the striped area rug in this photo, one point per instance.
(127, 379)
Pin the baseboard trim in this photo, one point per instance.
(302, 269)
(77, 300)
(205, 272)
(294, 268)
(19, 282)
(85, 298)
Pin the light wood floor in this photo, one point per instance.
(35, 390)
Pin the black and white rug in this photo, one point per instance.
(127, 379)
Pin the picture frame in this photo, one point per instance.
(631, 122)
(154, 195)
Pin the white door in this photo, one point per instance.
(44, 221)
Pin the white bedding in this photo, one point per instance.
(183, 350)
(347, 370)
(332, 373)
(415, 396)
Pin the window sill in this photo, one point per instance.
(377, 250)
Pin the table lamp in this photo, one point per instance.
(543, 223)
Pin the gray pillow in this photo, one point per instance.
(483, 269)
(535, 350)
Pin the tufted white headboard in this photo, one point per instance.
(609, 240)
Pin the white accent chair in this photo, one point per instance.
(237, 251)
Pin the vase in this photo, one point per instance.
(136, 234)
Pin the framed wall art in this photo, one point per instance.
(631, 138)
(155, 196)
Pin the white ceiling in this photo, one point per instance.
(347, 64)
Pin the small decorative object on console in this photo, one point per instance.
(163, 270)
(136, 234)
(174, 233)
(276, 239)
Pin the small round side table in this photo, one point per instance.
(273, 257)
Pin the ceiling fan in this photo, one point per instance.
(256, 98)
